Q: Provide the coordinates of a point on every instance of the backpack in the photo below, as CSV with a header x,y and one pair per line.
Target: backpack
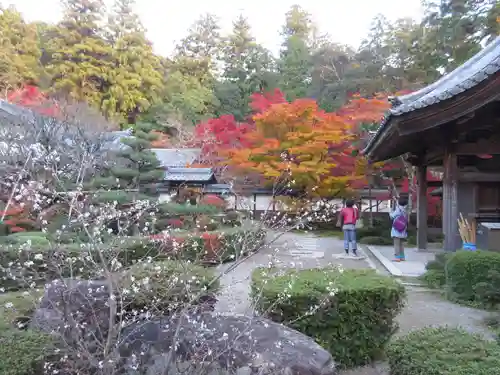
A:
x,y
400,223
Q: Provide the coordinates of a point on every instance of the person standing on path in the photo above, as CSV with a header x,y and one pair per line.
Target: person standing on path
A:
x,y
399,230
349,215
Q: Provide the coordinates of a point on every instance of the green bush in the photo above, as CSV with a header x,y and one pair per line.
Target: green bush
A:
x,y
372,240
374,231
434,279
187,209
21,352
19,238
473,271
21,265
356,310
170,285
443,351
221,246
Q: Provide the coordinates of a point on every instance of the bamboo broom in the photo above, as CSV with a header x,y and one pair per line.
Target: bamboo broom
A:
x,y
467,232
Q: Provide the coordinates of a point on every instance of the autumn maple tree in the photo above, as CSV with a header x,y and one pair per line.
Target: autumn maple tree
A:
x,y
302,143
32,98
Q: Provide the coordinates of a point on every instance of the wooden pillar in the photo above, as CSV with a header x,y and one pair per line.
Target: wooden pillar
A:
x,y
450,206
422,208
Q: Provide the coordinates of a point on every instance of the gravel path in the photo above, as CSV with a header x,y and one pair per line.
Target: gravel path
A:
x,y
424,308
288,252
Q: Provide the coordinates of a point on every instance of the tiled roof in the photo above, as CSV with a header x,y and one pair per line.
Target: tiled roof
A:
x,y
189,174
217,188
171,157
474,71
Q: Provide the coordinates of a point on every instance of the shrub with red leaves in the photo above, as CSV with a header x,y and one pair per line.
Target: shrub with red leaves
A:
x,y
212,245
213,200
31,97
175,223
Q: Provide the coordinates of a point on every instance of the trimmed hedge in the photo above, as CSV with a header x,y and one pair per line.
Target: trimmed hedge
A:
x,y
474,276
188,209
373,240
170,285
356,314
22,265
21,352
469,276
443,351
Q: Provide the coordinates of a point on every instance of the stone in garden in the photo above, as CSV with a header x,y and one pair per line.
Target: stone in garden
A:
x,y
75,309
221,345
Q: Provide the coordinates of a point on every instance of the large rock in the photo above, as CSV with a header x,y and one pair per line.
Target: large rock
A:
x,y
217,345
74,309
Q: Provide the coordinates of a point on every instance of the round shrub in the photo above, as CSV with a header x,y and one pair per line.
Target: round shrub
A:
x,y
374,240
35,238
166,286
467,270
21,352
443,351
213,200
434,279
350,313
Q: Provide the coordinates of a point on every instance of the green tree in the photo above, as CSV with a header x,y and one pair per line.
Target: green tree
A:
x,y
134,172
198,53
136,80
19,51
81,61
248,68
456,29
294,65
186,101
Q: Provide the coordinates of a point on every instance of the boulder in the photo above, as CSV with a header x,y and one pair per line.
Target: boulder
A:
x,y
75,309
216,345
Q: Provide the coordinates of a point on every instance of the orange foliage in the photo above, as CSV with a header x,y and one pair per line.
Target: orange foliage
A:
x,y
162,141
14,216
300,142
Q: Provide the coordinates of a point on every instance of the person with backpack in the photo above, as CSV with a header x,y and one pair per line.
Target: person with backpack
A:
x,y
349,215
399,230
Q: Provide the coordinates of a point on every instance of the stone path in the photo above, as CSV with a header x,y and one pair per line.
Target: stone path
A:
x,y
424,308
290,250
414,265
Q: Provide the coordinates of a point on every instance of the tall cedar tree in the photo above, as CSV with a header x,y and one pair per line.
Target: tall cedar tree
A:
x,y
248,68
295,58
136,80
81,63
19,51
136,170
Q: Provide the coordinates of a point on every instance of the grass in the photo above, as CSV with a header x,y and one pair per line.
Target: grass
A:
x,y
17,304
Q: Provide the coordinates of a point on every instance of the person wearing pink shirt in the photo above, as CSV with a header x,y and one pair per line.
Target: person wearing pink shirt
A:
x,y
349,215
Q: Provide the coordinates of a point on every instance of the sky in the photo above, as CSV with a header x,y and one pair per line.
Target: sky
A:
x,y
346,21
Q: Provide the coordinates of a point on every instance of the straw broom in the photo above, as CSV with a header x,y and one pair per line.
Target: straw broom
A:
x,y
467,232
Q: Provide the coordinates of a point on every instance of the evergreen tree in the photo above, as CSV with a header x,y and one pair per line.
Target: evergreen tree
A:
x,y
81,62
135,170
295,58
248,68
136,81
19,51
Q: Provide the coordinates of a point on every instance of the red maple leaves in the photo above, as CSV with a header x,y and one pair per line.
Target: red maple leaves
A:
x,y
31,97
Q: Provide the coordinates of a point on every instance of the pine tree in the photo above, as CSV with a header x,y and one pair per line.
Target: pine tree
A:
x,y
19,51
295,58
135,170
136,81
248,68
81,62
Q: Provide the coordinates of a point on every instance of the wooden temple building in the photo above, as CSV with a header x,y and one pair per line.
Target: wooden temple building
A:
x,y
452,125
